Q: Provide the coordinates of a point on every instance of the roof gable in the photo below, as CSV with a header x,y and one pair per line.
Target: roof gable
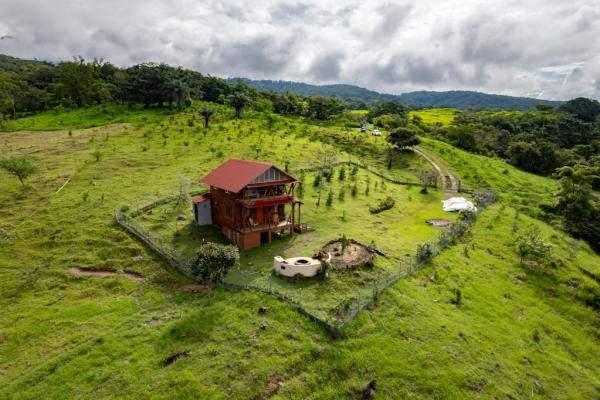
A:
x,y
233,175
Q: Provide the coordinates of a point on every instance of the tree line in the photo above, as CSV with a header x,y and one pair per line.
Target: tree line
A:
x,y
28,87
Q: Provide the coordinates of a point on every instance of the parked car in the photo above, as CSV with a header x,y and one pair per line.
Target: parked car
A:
x,y
376,132
363,128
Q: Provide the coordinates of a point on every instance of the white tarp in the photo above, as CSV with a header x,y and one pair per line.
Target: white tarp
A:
x,y
458,204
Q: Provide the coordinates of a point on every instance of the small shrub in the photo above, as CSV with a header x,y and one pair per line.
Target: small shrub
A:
x,y
530,246
344,242
22,167
317,181
342,174
342,194
85,196
354,191
383,205
300,190
97,155
458,297
213,261
329,200
424,252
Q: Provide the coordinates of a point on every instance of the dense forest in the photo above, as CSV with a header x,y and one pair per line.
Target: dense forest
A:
x,y
358,97
29,86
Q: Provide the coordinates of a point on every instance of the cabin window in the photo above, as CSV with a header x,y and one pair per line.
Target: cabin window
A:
x,y
228,211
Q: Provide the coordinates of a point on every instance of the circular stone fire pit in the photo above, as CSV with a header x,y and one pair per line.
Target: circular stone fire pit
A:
x,y
355,254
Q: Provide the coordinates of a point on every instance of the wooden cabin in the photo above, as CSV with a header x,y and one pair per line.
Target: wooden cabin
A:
x,y
248,201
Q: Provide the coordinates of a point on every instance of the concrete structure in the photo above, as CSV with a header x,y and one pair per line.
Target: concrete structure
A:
x,y
291,267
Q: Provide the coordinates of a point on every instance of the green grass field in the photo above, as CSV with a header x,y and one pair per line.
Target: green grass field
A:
x,y
85,118
442,116
519,333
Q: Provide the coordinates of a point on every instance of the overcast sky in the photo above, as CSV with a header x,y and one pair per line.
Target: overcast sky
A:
x,y
541,48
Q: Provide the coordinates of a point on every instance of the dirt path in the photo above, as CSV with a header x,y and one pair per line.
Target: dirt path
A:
x,y
105,274
450,183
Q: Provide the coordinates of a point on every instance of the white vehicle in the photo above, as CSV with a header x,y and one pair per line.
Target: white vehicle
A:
x,y
376,132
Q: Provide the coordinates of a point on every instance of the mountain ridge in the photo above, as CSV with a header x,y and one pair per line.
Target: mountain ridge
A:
x,y
463,99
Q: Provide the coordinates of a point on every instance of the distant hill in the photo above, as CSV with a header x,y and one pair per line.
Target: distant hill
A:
x,y
13,64
455,98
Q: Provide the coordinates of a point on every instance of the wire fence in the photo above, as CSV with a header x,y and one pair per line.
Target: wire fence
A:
x,y
439,184
335,319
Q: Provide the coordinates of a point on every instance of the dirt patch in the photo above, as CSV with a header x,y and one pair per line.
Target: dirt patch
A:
x,y
194,288
275,382
134,276
439,223
354,255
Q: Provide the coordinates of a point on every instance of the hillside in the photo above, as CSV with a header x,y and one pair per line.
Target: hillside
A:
x,y
519,331
13,64
462,99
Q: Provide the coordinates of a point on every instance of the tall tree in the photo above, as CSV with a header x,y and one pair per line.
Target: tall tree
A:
x,y
400,139
577,205
207,113
584,109
239,101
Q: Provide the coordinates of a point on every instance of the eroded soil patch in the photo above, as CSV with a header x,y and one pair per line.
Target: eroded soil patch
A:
x,y
439,223
134,276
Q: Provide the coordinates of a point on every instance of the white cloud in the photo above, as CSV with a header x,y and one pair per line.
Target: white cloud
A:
x,y
545,48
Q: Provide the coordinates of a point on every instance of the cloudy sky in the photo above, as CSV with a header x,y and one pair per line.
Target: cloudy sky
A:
x,y
541,48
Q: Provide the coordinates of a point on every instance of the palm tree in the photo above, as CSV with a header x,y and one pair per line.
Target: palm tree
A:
x,y
207,114
239,101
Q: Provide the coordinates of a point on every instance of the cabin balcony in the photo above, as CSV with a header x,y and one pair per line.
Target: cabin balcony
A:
x,y
273,227
265,201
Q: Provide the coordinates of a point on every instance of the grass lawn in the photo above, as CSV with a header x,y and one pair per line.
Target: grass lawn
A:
x,y
519,332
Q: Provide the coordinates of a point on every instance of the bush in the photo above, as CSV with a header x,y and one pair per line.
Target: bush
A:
x,y
317,181
22,167
532,247
329,200
424,252
383,205
214,260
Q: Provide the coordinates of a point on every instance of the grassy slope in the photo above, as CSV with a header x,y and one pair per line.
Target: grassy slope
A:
x,y
84,118
443,116
62,336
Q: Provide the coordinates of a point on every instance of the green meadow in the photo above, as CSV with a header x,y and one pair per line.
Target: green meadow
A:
x,y
518,332
441,116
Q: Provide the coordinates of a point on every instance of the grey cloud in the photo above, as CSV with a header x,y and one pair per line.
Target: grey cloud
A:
x,y
393,46
287,11
392,16
328,67
491,40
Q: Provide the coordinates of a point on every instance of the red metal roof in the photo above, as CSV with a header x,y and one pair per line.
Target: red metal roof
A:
x,y
201,198
233,175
